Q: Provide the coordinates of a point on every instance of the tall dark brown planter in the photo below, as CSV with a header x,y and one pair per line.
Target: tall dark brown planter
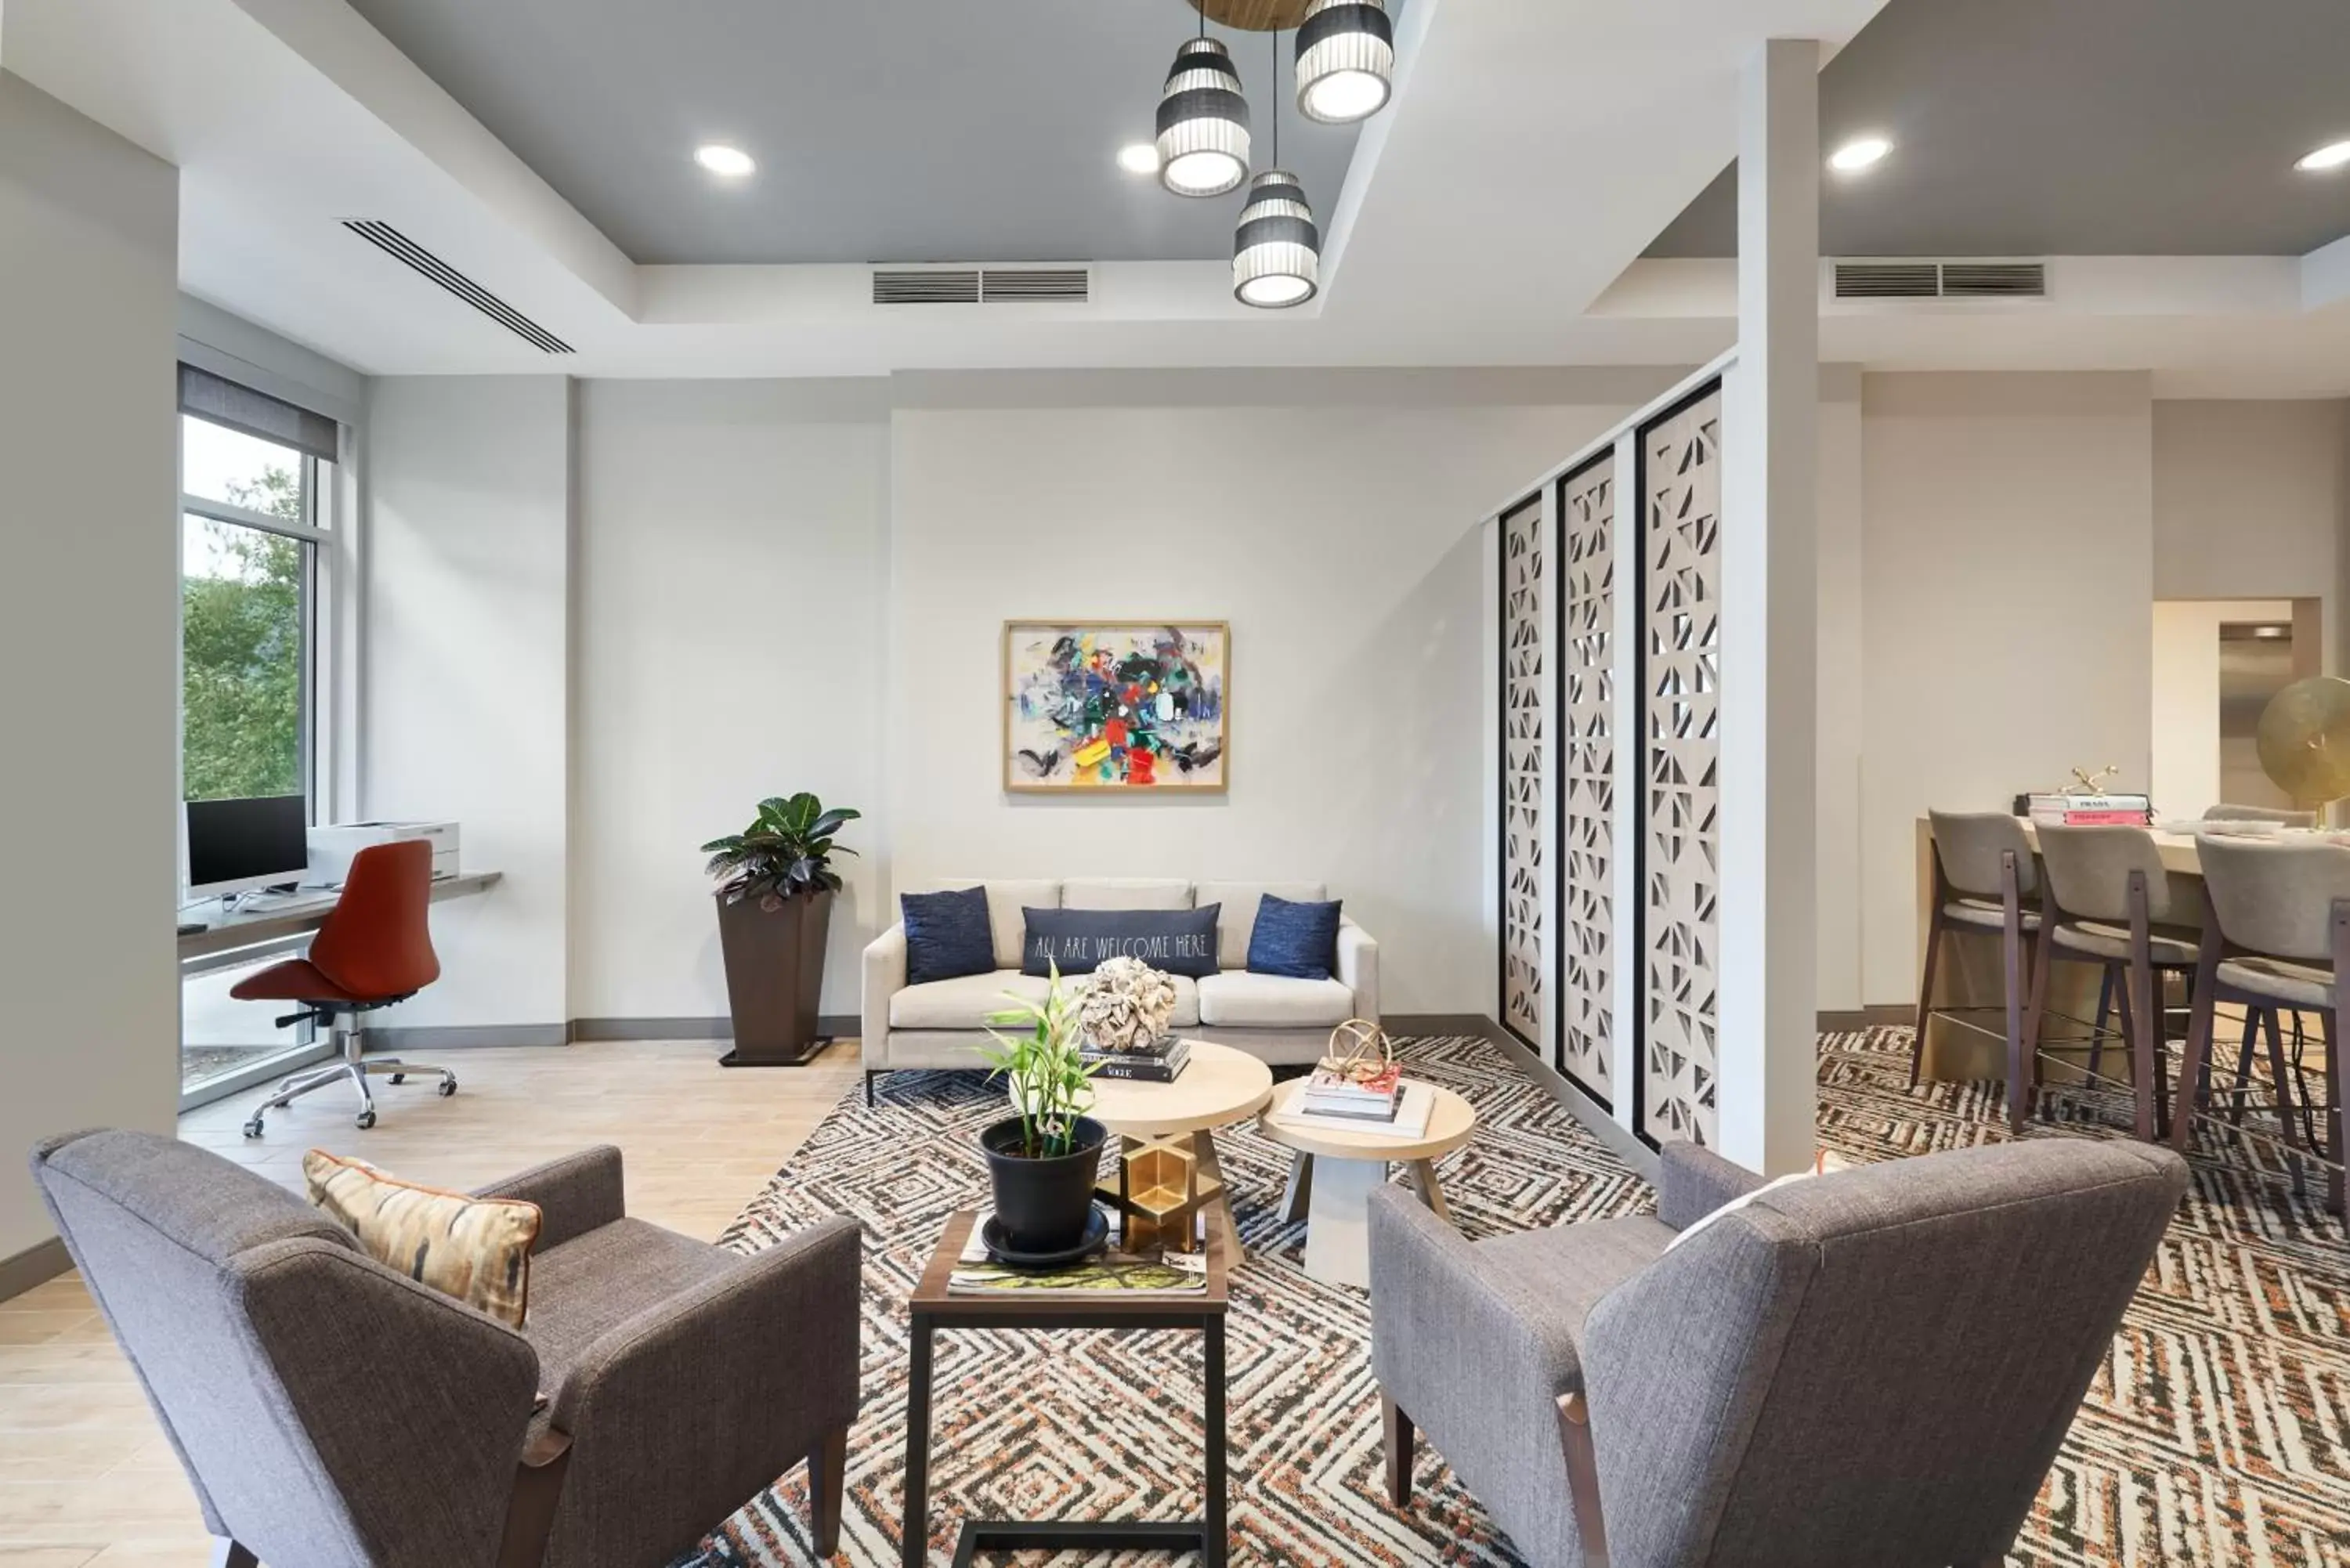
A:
x,y
774,976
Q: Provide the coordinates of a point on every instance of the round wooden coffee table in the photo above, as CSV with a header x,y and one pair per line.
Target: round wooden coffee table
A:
x,y
1334,1170
1167,1157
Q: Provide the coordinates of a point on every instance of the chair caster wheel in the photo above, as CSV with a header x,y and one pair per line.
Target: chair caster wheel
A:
x,y
253,1127
399,1077
448,1087
366,1119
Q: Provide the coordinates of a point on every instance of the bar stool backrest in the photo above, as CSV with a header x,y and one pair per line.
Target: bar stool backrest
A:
x,y
2225,813
1969,842
2276,899
2089,873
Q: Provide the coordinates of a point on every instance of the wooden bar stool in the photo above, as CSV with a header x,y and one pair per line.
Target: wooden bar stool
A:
x,y
1984,881
2109,901
2276,933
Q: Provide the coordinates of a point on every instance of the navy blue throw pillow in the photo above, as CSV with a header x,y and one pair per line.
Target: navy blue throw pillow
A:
x,y
1298,942
1172,941
946,935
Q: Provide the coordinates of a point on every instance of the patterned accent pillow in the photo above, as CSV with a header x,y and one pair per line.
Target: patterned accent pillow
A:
x,y
947,935
1298,942
475,1249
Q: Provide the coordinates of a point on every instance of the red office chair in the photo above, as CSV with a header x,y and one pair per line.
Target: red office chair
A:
x,y
374,949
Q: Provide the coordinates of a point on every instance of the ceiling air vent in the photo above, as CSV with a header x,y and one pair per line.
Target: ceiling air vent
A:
x,y
981,286
1994,280
411,255
1941,280
926,286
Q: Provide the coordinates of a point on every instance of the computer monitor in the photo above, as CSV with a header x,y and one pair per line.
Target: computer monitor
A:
x,y
232,845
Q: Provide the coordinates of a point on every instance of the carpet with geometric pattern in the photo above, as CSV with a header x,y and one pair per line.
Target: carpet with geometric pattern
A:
x,y
2216,1433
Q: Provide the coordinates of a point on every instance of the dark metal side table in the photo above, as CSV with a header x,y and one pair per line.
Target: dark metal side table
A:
x,y
934,1309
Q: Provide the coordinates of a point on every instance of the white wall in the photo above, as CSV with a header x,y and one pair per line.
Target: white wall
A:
x,y
730,583
88,631
2251,501
465,678
2007,572
1838,849
1341,543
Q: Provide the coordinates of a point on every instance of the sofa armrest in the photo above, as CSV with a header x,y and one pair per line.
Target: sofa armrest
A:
x,y
1693,1181
1445,1327
1358,968
885,977
577,1194
681,1412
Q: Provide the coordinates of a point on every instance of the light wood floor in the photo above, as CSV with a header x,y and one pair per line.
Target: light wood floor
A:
x,y
86,1479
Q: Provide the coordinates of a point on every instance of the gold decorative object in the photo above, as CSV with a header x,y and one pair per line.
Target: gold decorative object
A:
x,y
1128,1005
1359,1051
1158,1193
2095,782
2305,739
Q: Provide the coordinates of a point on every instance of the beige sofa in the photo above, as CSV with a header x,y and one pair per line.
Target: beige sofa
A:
x,y
941,1024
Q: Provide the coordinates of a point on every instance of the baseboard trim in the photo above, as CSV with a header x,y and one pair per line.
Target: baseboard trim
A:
x,y
36,1265
1621,1139
839,1025
1877,1017
465,1036
1470,1023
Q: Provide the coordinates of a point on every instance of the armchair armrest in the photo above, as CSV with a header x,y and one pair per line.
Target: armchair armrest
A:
x,y
885,977
577,1194
1693,1181
1358,968
726,1383
1447,1330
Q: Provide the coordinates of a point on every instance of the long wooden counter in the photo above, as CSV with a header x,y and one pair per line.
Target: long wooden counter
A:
x,y
1970,974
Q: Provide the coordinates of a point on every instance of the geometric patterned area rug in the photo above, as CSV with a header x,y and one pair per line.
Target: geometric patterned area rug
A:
x,y
2218,1433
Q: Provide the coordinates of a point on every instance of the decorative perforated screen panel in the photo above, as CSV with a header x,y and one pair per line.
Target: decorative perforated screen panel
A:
x,y
1525,703
1680,675
1586,802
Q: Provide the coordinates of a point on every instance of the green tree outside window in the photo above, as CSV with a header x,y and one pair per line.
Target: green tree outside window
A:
x,y
240,618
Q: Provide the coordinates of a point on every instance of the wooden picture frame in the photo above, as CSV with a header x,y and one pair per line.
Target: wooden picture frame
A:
x,y
1083,716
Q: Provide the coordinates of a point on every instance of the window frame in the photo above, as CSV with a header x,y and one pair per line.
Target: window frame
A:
x,y
317,480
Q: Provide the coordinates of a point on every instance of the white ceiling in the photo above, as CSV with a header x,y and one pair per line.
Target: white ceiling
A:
x,y
1494,215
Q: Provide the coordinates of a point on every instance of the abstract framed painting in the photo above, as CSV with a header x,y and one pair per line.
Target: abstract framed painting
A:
x,y
1116,705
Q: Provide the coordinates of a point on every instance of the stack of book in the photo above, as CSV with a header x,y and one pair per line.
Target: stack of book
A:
x,y
2073,810
1330,1093
1160,1062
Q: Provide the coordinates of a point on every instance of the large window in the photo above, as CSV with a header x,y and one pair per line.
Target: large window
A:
x,y
255,512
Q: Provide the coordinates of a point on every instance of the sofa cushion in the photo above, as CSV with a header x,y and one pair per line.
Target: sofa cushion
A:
x,y
963,1003
1005,901
1125,893
1240,900
946,935
1237,999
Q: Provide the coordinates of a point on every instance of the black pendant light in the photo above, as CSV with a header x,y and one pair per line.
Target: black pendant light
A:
x,y
1276,248
1345,60
1203,121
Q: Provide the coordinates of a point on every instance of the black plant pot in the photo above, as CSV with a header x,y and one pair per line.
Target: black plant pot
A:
x,y
1043,1204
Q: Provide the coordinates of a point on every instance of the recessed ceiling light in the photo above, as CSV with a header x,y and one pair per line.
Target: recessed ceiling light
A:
x,y
720,159
1858,154
1139,158
2332,155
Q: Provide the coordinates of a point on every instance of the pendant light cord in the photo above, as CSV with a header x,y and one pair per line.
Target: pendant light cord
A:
x,y
1277,97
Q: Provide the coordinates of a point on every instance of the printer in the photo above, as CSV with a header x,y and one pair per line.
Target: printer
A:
x,y
331,847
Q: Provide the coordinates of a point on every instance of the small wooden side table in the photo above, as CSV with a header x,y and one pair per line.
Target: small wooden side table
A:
x,y
1332,1171
1167,1156
935,1309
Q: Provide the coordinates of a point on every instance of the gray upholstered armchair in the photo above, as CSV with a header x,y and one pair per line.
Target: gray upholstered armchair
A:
x,y
1872,1369
332,1413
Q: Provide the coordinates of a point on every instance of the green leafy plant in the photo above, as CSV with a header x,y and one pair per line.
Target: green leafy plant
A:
x,y
786,852
1051,1086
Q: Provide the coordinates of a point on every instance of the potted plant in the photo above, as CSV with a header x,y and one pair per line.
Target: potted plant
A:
x,y
774,904
1043,1159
